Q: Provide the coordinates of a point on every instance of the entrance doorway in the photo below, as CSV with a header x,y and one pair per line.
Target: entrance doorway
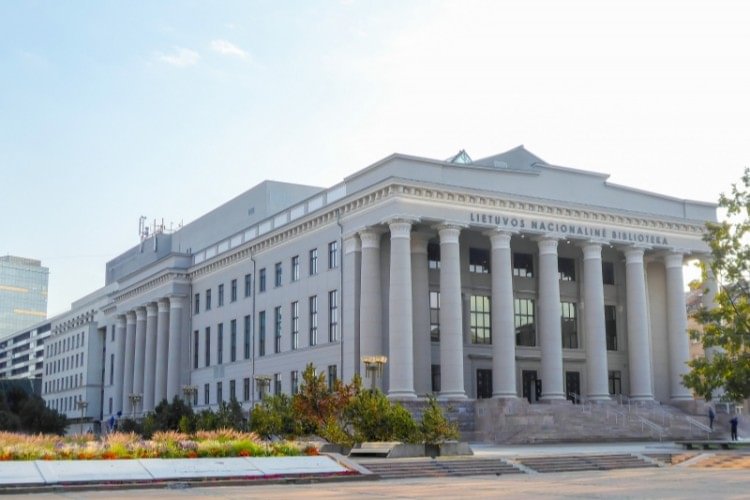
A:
x,y
532,388
573,386
484,384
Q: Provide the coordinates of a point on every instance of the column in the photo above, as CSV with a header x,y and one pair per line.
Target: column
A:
x,y
597,376
400,334
350,307
119,374
420,299
639,351
127,386
370,305
677,334
710,289
140,353
162,350
150,359
550,326
451,315
503,328
176,305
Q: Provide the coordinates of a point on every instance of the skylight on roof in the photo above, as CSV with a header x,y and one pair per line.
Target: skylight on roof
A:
x,y
462,158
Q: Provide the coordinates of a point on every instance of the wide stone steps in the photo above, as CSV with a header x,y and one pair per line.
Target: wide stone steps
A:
x,y
572,463
393,469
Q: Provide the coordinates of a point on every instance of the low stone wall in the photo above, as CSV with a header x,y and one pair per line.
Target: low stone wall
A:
x,y
461,411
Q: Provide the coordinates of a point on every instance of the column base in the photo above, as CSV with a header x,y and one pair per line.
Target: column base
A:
x,y
395,395
505,396
444,396
554,400
598,398
644,398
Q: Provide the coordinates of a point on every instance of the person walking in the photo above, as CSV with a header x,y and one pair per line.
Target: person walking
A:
x,y
734,423
711,417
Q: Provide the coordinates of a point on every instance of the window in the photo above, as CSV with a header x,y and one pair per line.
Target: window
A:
x,y
295,325
435,375
331,377
523,265
220,344
233,341
610,327
232,390
295,268
111,338
208,299
566,269
233,291
262,333
524,321
111,369
262,280
219,393
295,381
247,337
433,256
206,394
248,284
479,260
313,261
569,325
608,273
197,304
314,320
277,274
615,382
110,407
435,316
208,346
196,343
276,384
221,295
479,313
333,255
246,389
333,316
277,329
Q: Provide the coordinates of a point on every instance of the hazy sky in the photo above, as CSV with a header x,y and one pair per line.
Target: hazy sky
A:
x,y
112,110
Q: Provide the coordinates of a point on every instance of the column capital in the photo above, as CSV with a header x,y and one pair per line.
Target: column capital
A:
x,y
500,238
634,254
591,250
163,305
120,320
419,241
352,244
370,237
140,313
547,245
130,317
400,228
674,259
176,301
151,309
449,232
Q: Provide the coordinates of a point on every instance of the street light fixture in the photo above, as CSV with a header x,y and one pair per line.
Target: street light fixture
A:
x,y
82,405
263,382
374,367
134,400
189,391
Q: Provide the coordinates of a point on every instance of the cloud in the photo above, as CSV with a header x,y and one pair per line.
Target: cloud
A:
x,y
180,57
226,48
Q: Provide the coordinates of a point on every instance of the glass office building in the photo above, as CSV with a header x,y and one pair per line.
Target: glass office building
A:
x,y
23,293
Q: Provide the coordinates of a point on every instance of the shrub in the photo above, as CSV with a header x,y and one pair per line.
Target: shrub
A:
x,y
435,428
374,418
274,417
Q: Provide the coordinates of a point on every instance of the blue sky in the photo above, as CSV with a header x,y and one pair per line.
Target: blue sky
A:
x,y
112,110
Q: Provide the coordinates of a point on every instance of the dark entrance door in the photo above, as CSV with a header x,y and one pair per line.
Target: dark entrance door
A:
x,y
573,385
484,384
528,380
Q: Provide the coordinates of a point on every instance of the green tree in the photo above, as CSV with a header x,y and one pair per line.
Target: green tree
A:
x,y
726,326
435,428
274,417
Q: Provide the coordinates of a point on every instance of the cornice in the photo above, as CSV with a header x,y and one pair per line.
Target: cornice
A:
x,y
76,321
152,283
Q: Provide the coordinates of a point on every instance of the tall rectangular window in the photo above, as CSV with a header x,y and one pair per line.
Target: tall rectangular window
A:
x,y
314,320
246,389
219,392
333,255
262,333
525,322
220,294
277,329
333,316
615,382
247,337
277,274
608,273
313,261
206,394
295,268
435,316
523,265
295,325
112,336
208,299
207,341
331,377
233,291
276,384
111,369
569,325
232,390
610,327
262,280
566,269
295,381
248,285
233,340
433,256
197,304
479,315
479,260
220,344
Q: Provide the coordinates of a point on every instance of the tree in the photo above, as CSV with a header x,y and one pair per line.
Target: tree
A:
x,y
726,327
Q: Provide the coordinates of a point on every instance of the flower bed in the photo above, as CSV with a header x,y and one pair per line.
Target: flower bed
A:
x,y
220,443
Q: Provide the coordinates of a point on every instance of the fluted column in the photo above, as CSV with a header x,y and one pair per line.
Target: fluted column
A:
x,y
127,385
119,374
679,347
140,352
149,371
162,350
593,317
350,307
371,304
176,305
503,328
639,351
451,315
400,334
550,326
420,298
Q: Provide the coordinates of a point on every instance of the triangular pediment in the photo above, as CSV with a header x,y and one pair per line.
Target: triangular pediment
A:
x,y
518,158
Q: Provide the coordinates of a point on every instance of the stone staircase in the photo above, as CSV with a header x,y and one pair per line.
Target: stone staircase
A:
x,y
403,469
574,463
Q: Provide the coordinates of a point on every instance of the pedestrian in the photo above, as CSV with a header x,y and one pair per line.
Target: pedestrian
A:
x,y
711,417
111,423
734,423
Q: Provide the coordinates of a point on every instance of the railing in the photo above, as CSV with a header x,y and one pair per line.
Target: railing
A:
x,y
654,427
579,400
700,425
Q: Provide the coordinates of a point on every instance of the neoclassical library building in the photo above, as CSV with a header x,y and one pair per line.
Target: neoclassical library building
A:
x,y
505,277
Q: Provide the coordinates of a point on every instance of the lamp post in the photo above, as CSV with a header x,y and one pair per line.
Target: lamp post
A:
x,y
134,400
374,367
82,405
189,391
263,381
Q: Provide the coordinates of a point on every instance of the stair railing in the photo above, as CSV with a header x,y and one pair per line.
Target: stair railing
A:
x,y
699,425
651,425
